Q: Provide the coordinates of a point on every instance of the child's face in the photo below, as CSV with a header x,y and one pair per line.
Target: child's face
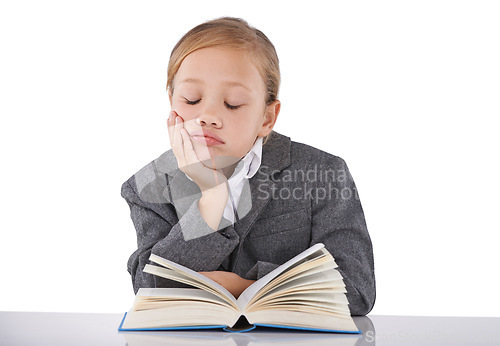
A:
x,y
221,91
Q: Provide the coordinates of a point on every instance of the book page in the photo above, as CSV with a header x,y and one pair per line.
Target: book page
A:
x,y
315,265
303,319
335,303
180,277
330,280
195,276
304,275
247,294
151,296
183,314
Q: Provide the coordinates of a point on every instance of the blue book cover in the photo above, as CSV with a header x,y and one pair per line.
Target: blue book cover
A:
x,y
238,328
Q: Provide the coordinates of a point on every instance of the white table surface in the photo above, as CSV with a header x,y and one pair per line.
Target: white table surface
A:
x,y
45,328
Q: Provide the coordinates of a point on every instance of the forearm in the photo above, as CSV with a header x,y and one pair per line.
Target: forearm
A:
x,y
192,243
212,204
234,283
188,241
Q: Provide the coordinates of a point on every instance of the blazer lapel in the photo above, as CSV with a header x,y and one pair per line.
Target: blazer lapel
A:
x,y
275,157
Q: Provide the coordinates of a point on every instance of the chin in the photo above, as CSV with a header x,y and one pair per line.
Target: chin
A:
x,y
219,162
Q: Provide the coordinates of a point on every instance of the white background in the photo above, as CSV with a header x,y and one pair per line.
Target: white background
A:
x,y
406,92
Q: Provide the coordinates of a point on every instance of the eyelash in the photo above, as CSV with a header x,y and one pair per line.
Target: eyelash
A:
x,y
227,104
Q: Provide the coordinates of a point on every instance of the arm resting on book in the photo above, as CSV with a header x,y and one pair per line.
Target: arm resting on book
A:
x,y
188,241
339,223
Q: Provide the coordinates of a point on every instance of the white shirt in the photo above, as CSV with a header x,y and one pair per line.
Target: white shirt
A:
x,y
245,169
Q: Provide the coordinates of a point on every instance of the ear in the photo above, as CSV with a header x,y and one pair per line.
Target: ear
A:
x,y
270,116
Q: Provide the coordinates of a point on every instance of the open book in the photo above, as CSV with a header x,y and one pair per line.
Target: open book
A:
x,y
307,292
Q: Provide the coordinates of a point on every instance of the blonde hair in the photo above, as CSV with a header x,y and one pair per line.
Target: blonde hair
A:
x,y
233,33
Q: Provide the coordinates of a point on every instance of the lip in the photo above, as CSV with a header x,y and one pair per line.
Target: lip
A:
x,y
207,137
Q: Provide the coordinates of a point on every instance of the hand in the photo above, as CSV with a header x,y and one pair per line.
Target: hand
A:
x,y
189,163
230,281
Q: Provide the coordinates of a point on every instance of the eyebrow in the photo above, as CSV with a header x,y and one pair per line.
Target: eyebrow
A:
x,y
229,83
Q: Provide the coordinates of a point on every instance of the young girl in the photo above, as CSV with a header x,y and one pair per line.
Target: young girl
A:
x,y
234,199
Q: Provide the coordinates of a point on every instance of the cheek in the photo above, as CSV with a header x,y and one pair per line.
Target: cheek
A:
x,y
248,124
187,112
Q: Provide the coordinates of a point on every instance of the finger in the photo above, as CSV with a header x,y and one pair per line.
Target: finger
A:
x,y
170,126
178,142
171,131
193,163
190,154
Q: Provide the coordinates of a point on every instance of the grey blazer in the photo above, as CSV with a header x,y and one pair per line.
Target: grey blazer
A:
x,y
300,196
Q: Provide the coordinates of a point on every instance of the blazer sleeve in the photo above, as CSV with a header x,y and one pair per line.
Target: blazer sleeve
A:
x,y
188,241
338,222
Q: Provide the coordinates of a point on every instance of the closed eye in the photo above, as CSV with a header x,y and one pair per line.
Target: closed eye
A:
x,y
231,106
189,102
192,102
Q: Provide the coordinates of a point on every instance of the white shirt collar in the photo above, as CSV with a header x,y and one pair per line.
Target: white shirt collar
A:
x,y
250,162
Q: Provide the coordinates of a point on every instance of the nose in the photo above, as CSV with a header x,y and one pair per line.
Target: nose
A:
x,y
209,117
